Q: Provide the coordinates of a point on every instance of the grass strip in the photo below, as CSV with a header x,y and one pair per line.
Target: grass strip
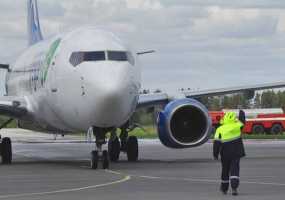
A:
x,y
151,133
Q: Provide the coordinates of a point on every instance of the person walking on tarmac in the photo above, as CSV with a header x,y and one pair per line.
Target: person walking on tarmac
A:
x,y
228,143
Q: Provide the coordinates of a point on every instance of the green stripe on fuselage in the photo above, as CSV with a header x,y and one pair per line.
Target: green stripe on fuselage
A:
x,y
49,57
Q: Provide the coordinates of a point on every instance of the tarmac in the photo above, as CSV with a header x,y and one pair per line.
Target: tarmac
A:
x,y
44,168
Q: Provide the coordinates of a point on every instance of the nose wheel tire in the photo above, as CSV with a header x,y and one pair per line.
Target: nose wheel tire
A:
x,y
6,151
96,158
132,149
114,148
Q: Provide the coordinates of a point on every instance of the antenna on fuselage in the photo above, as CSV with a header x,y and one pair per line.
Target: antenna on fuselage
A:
x,y
145,52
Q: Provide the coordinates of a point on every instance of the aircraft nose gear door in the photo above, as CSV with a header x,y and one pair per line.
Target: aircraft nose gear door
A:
x,y
53,86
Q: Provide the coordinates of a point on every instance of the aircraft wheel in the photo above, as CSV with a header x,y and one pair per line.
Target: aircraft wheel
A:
x,y
105,159
132,149
6,151
94,159
114,148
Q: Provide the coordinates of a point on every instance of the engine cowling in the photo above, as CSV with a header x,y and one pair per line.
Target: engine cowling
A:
x,y
184,123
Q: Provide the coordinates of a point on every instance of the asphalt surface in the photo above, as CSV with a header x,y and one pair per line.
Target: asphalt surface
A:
x,y
60,170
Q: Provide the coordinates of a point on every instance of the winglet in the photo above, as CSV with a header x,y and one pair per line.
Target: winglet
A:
x,y
34,28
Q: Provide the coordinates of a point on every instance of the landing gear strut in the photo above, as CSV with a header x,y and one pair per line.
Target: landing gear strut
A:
x,y
99,154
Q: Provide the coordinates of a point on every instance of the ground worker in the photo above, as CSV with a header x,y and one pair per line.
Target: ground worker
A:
x,y
228,143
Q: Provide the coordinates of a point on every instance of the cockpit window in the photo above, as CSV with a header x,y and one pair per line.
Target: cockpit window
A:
x,y
79,57
92,56
117,55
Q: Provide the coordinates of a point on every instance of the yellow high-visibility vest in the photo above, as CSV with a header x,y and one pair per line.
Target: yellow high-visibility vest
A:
x,y
229,131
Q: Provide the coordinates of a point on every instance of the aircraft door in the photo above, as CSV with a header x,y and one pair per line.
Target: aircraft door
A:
x,y
53,81
53,85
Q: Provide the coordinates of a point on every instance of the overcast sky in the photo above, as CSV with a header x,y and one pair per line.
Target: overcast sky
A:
x,y
199,43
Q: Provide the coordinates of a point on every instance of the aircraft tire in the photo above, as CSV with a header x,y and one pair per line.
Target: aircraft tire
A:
x,y
114,148
6,151
94,159
105,159
132,149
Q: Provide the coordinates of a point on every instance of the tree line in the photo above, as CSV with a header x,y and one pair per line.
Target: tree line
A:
x,y
266,99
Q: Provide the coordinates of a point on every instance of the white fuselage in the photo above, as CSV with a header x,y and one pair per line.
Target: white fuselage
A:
x,y
77,80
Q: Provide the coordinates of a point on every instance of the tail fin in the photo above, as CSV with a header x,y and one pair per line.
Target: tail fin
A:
x,y
34,28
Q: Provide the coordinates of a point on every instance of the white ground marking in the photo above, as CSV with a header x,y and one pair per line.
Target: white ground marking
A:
x,y
125,179
201,180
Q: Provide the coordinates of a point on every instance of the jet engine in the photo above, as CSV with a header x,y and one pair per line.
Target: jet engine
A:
x,y
184,123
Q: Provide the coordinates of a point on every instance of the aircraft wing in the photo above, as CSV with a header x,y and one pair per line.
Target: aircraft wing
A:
x,y
148,100
15,107
232,90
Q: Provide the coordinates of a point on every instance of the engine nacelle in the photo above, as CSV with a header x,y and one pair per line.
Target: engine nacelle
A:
x,y
184,123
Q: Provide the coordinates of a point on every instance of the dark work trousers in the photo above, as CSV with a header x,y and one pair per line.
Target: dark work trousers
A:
x,y
230,173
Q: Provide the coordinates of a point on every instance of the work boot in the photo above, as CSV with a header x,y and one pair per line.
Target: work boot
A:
x,y
234,192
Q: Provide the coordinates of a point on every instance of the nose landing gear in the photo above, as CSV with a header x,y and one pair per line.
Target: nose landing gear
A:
x,y
98,155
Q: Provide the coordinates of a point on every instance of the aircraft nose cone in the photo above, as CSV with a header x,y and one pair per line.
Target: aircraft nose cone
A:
x,y
111,97
113,104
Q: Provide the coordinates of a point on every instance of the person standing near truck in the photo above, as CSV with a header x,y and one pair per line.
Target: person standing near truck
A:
x,y
229,145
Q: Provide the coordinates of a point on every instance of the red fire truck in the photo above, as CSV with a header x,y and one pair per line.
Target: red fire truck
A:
x,y
262,123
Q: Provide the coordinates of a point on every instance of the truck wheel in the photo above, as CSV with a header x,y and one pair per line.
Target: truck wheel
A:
x,y
276,129
258,129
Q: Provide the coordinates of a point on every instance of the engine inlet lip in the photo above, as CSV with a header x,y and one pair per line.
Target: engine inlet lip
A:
x,y
195,143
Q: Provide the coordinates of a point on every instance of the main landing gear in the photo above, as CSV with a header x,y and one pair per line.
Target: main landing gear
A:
x,y
6,150
116,145
6,146
127,144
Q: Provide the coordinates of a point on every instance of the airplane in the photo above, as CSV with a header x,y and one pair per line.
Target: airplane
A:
x,y
88,77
